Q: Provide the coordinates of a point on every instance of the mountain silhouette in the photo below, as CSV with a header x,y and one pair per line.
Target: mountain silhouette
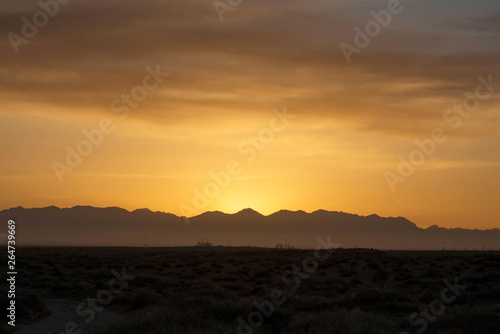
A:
x,y
248,213
113,226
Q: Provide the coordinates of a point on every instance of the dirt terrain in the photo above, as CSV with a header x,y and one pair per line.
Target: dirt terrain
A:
x,y
62,312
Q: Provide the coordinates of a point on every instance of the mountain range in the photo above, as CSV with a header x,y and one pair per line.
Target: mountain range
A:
x,y
112,226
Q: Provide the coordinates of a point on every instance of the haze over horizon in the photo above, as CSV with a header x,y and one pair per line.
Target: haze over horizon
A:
x,y
260,110
90,226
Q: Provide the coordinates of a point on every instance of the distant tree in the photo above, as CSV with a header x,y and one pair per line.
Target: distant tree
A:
x,y
204,244
286,245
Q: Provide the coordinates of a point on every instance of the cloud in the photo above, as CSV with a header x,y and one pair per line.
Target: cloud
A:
x,y
264,54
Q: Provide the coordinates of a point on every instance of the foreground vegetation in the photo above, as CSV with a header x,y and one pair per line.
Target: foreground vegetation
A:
x,y
207,289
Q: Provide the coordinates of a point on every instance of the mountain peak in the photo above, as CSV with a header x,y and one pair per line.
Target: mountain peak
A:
x,y
143,210
289,214
212,213
434,227
248,212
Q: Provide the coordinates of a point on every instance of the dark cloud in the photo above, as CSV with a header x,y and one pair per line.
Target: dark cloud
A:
x,y
264,54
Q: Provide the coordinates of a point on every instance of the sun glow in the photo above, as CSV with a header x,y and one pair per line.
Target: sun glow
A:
x,y
237,200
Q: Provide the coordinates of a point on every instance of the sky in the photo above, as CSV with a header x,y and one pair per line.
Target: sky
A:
x,y
187,106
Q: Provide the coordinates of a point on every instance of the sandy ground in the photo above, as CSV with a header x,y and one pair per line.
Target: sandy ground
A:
x,y
64,311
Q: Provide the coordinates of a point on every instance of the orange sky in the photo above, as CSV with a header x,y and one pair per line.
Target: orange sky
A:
x,y
227,82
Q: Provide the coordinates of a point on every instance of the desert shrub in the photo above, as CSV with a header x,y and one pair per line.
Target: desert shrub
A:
x,y
57,272
432,273
310,303
48,262
138,298
182,316
342,322
467,320
262,274
381,275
